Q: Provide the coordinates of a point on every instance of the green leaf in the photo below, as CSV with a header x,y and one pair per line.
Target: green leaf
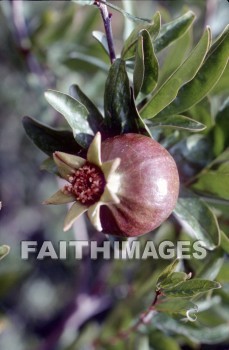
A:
x,y
224,244
191,288
95,118
186,72
175,56
153,28
4,250
173,279
222,84
221,129
214,182
167,272
102,39
78,61
173,30
206,335
146,63
75,113
177,122
121,115
174,306
206,78
197,218
48,139
202,113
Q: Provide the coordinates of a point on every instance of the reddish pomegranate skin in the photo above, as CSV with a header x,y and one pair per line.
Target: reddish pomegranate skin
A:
x,y
149,185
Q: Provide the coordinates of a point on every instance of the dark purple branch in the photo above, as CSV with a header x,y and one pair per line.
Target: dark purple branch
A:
x,y
106,16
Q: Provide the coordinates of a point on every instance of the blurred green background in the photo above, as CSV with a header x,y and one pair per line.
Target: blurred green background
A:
x,y
46,304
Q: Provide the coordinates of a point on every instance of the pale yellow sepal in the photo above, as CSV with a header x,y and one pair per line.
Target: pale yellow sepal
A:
x,y
109,197
94,215
94,151
64,170
75,211
70,160
60,198
110,167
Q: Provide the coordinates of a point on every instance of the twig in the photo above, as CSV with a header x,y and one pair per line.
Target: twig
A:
x,y
106,16
144,318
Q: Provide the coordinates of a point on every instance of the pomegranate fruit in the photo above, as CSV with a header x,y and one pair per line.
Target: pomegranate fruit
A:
x,y
128,184
148,185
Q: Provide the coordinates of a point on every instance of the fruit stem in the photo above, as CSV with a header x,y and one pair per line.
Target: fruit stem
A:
x,y
106,16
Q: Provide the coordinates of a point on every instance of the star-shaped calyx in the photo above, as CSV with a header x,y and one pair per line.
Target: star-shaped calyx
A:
x,y
91,183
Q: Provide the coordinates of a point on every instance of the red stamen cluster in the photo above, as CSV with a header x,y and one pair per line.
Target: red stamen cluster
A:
x,y
87,184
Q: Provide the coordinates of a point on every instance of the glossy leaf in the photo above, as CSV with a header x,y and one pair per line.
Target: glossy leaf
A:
x,y
186,72
173,60
191,288
95,118
102,39
4,250
173,30
197,218
48,139
75,113
153,28
121,115
178,122
206,335
146,62
206,78
139,69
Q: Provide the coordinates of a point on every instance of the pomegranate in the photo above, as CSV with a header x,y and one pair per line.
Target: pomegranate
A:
x,y
128,185
148,185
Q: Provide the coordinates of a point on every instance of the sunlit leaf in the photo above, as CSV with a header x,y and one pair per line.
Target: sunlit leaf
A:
x,y
75,113
208,75
153,28
177,122
102,39
146,63
172,59
95,118
186,72
173,30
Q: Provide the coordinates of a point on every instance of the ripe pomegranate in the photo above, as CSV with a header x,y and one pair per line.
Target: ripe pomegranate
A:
x,y
147,181
128,185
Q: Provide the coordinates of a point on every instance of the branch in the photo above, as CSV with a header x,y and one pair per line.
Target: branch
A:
x,y
144,318
106,16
